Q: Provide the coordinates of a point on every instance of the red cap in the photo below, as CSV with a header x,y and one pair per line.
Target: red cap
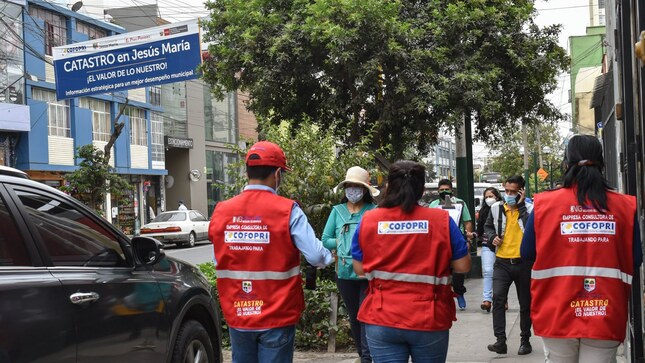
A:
x,y
265,153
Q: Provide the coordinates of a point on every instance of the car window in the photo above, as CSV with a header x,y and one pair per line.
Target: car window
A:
x,y
71,237
13,251
170,217
198,217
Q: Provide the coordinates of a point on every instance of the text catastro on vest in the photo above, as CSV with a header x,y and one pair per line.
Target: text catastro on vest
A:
x,y
406,258
258,265
580,283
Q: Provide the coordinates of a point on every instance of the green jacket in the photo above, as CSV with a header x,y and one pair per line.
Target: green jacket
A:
x,y
338,234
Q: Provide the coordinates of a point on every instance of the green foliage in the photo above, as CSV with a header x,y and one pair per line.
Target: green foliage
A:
x,y
316,169
94,179
404,70
510,159
312,332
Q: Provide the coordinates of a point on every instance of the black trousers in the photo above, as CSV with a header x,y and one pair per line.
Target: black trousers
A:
x,y
353,293
504,274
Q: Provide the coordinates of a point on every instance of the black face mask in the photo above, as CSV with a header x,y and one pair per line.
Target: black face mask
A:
x,y
443,193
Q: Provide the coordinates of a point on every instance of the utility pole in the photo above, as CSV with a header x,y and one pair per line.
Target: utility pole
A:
x,y
465,183
525,143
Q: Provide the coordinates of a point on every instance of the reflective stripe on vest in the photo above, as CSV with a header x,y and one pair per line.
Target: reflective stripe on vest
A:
x,y
258,275
398,276
613,273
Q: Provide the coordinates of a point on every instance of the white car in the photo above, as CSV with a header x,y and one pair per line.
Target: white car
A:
x,y
181,227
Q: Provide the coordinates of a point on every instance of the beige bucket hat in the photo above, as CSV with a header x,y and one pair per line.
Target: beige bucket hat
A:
x,y
358,175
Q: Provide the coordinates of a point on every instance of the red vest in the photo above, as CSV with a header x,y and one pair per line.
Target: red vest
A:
x,y
258,265
406,258
580,283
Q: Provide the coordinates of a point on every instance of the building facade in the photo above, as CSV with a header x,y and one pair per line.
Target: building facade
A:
x,y
586,53
58,127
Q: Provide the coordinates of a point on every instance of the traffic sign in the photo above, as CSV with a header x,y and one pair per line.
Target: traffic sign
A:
x,y
542,174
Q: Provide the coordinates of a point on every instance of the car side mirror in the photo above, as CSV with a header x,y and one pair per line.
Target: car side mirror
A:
x,y
147,251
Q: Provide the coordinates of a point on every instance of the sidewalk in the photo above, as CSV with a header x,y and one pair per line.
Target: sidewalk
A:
x,y
469,336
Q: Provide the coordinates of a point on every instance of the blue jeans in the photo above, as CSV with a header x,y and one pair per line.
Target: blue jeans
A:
x,y
397,345
273,345
488,261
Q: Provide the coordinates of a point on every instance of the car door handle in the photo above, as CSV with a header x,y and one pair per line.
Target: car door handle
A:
x,y
83,297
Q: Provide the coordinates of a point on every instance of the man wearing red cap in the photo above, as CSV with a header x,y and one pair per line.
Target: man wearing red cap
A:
x,y
257,239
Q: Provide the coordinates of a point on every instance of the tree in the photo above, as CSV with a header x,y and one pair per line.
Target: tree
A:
x,y
94,179
510,160
405,69
316,166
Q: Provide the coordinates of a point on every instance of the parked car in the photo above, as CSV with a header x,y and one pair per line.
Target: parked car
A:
x,y
180,227
73,288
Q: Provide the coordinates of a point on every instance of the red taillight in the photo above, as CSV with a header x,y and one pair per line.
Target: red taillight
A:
x,y
160,230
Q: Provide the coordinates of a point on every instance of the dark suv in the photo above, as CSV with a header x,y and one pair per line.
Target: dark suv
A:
x,y
75,289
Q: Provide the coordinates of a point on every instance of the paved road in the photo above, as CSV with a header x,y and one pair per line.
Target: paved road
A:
x,y
202,252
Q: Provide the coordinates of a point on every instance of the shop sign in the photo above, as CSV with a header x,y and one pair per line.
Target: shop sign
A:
x,y
179,142
164,54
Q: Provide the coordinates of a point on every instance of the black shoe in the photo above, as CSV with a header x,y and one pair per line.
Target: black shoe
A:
x,y
525,348
499,347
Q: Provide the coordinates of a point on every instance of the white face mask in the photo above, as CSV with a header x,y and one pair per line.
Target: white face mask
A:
x,y
490,201
354,194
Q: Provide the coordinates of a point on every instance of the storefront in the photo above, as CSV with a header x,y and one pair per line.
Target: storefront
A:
x,y
138,205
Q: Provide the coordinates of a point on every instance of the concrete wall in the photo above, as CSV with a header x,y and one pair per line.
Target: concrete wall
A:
x,y
197,159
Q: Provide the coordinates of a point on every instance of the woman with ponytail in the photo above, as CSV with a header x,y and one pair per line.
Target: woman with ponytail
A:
x,y
407,253
586,250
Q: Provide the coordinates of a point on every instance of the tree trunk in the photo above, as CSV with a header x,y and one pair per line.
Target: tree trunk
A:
x,y
118,127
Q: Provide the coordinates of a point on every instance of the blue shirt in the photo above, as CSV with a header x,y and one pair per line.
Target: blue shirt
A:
x,y
457,242
302,234
528,249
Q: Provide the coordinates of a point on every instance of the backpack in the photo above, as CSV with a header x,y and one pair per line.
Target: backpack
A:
x,y
344,265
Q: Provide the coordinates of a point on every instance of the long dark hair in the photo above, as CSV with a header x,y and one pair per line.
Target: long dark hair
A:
x,y
485,209
584,161
405,182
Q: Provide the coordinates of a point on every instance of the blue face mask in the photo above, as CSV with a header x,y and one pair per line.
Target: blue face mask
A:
x,y
510,199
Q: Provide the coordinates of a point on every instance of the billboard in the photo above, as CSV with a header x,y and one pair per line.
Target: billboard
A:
x,y
163,54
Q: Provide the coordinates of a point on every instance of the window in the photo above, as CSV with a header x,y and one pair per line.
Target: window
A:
x,y
54,30
197,217
154,93
138,131
11,54
91,31
156,137
219,117
601,4
70,237
57,112
101,120
12,247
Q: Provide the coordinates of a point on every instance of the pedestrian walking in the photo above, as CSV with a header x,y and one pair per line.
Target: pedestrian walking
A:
x,y
407,252
461,215
257,239
504,227
337,236
586,250
490,196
